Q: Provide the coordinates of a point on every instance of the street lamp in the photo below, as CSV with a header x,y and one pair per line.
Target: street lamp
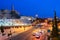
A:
x,y
24,26
36,15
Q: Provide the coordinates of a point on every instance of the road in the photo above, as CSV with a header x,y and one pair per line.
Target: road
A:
x,y
27,35
23,36
42,36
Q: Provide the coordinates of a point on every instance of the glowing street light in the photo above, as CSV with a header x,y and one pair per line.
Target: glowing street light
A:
x,y
36,15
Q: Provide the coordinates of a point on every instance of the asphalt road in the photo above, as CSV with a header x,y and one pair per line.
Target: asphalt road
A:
x,y
23,36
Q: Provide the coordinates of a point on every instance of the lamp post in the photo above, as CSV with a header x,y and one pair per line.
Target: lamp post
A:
x,y
36,15
24,26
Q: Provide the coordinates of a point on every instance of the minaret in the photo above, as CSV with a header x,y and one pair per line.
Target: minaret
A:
x,y
54,27
12,8
12,11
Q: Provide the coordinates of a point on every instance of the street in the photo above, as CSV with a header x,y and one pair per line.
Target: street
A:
x,y
27,35
23,36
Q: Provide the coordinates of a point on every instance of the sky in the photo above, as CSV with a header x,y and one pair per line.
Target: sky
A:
x,y
44,8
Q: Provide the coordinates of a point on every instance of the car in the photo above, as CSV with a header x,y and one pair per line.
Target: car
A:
x,y
39,31
33,34
37,35
42,31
